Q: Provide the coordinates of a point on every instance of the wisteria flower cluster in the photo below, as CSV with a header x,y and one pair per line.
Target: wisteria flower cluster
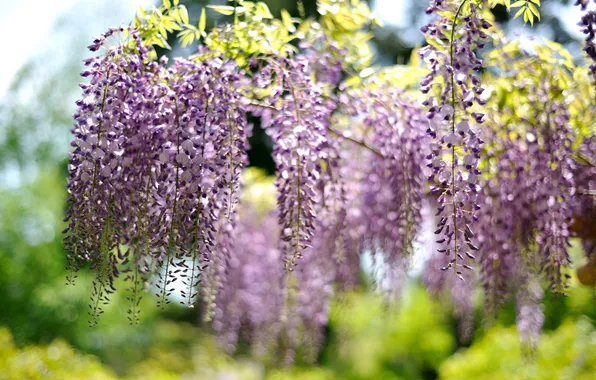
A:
x,y
298,126
386,205
158,154
588,27
364,162
454,88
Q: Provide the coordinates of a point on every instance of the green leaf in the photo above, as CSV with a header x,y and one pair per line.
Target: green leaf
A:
x,y
203,21
519,3
528,16
225,10
186,37
287,21
167,4
352,81
176,2
247,4
170,23
183,14
366,72
534,10
163,31
263,11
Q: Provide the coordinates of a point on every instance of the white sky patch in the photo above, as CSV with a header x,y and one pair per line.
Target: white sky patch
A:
x,y
27,27
391,12
571,16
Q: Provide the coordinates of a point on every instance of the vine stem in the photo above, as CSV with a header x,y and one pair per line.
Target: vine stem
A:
x,y
174,211
355,141
200,236
335,132
101,108
292,263
453,155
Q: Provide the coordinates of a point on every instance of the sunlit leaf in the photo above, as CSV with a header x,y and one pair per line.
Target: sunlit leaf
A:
x,y
183,14
203,21
225,10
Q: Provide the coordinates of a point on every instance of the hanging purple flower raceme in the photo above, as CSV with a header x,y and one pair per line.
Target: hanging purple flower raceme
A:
x,y
322,53
299,129
393,178
142,128
438,283
527,197
198,178
588,27
311,197
266,306
156,166
505,226
553,168
96,207
248,307
453,83
316,273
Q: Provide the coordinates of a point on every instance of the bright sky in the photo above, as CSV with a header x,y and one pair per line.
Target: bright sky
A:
x,y
29,18
391,11
394,12
26,27
34,20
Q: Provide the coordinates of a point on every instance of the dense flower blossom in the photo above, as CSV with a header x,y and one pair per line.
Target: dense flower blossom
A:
x,y
322,53
528,198
393,180
502,234
156,163
96,208
137,171
249,306
361,167
265,305
588,27
299,129
437,282
454,88
201,159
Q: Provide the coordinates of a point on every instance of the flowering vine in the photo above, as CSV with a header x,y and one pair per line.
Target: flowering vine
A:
x,y
453,66
160,152
299,129
588,27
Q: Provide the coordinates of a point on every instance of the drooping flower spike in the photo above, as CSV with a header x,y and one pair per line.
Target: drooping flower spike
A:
x,y
298,126
391,177
155,179
453,86
588,27
97,208
147,170
200,156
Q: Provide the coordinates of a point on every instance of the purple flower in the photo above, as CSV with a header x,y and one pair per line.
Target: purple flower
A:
x,y
453,84
299,129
